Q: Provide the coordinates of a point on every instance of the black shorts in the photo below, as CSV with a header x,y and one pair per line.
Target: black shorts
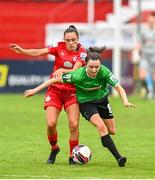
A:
x,y
101,107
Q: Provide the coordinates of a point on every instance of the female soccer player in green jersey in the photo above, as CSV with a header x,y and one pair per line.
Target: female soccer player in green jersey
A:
x,y
92,93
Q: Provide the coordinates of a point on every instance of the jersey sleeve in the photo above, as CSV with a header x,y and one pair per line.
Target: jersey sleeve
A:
x,y
113,81
71,77
110,77
82,57
67,78
53,49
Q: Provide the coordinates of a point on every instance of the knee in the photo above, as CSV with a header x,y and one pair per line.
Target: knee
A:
x,y
102,129
73,126
51,125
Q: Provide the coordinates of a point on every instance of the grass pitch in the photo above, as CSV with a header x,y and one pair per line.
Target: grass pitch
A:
x,y
24,147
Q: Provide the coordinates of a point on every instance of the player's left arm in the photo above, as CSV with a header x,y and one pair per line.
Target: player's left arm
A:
x,y
31,92
123,95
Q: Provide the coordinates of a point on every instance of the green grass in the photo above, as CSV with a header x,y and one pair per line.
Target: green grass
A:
x,y
24,148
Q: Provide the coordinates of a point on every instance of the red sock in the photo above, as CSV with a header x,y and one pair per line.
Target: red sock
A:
x,y
72,144
53,141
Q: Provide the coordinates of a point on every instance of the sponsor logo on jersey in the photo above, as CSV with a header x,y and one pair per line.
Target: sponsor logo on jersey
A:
x,y
68,64
113,78
93,88
48,98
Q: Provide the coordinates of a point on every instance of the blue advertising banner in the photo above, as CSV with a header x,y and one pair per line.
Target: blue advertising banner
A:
x,y
16,76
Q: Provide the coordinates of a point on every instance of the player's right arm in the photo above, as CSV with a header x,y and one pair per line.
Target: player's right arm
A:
x,y
29,52
123,95
31,92
59,72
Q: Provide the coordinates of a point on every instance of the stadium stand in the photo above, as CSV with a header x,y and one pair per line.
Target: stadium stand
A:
x,y
24,22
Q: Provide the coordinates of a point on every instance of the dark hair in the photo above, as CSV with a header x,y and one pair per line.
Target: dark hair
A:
x,y
94,53
71,28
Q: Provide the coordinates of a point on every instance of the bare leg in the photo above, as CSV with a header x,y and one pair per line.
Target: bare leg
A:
x,y
73,121
52,114
110,124
106,139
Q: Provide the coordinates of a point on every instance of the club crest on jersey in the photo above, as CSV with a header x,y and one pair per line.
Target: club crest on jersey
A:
x,y
62,53
48,98
74,58
68,64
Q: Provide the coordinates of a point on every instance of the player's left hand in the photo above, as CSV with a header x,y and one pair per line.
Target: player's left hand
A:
x,y
29,92
130,105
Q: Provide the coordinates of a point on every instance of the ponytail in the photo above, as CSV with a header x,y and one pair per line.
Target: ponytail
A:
x,y
94,53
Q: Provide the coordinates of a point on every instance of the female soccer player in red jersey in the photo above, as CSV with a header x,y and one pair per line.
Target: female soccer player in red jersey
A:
x,y
69,55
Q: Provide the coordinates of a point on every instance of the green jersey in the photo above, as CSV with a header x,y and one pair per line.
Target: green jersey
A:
x,y
87,88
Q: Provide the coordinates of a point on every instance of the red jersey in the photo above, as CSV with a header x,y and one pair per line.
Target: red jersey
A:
x,y
66,59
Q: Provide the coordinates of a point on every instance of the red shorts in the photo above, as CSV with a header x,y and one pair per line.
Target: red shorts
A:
x,y
57,98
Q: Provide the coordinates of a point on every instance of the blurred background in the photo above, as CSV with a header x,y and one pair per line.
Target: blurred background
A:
x,y
39,23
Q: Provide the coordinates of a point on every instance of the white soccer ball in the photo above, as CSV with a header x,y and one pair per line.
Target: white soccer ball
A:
x,y
81,154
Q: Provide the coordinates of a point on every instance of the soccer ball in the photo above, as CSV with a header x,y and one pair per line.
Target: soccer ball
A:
x,y
81,154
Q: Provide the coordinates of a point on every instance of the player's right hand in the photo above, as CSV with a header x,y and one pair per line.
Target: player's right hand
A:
x,y
58,73
129,105
29,92
15,48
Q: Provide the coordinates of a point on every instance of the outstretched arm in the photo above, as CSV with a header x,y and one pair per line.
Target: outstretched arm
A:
x,y
31,92
123,96
30,52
